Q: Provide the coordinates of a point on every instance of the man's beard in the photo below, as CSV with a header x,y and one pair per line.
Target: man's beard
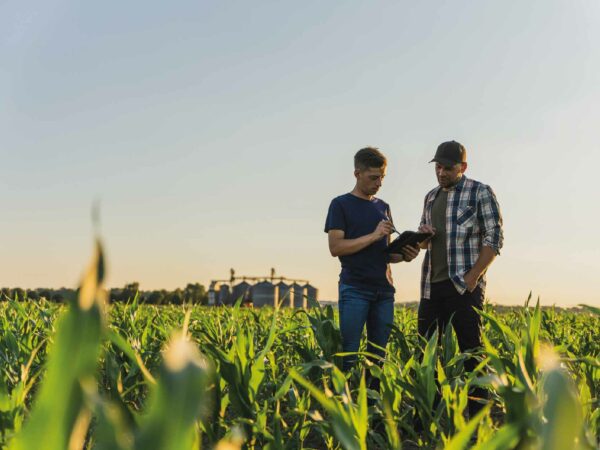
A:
x,y
449,184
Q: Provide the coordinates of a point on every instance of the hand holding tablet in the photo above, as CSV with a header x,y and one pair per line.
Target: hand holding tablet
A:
x,y
412,238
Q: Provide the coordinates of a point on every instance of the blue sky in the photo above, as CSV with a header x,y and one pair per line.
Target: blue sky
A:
x,y
216,133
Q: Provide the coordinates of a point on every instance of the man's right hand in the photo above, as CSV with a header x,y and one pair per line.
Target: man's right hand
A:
x,y
426,229
340,246
384,228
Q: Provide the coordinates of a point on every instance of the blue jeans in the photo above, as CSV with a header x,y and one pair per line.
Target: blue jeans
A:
x,y
359,306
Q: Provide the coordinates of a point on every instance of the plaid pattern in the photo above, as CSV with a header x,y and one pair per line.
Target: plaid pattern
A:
x,y
473,219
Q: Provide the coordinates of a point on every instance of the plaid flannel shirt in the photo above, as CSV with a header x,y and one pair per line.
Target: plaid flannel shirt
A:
x,y
473,220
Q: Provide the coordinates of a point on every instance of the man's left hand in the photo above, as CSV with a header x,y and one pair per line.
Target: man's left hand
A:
x,y
471,280
410,252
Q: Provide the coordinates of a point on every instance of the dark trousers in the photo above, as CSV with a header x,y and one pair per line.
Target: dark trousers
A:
x,y
445,303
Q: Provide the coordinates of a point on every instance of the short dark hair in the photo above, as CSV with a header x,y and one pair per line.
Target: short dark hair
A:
x,y
369,157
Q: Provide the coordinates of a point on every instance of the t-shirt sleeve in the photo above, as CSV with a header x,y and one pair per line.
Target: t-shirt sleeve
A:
x,y
335,217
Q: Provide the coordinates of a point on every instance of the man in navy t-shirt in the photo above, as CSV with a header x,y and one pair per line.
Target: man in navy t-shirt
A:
x,y
359,227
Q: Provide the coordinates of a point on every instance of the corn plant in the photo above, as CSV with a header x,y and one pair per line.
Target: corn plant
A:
x,y
88,375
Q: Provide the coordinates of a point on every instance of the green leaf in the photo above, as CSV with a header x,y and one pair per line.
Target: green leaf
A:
x,y
562,411
506,437
59,415
461,439
178,399
342,424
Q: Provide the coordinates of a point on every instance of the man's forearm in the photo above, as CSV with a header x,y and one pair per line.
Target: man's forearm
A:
x,y
486,256
345,247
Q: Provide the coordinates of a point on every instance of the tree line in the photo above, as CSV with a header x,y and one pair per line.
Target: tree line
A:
x,y
193,293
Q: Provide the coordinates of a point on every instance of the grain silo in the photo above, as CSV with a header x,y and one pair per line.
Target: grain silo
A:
x,y
298,300
243,289
285,294
264,294
311,292
212,296
224,295
288,292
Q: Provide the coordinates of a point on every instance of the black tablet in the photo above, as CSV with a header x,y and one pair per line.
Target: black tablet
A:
x,y
413,238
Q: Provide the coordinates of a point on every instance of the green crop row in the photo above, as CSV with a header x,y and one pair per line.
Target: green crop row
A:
x,y
133,376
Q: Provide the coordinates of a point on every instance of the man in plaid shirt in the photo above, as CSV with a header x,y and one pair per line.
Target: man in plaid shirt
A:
x,y
464,217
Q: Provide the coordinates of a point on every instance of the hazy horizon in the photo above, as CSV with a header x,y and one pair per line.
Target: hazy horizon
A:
x,y
216,134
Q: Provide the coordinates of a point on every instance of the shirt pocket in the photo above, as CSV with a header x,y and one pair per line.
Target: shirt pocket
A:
x,y
466,217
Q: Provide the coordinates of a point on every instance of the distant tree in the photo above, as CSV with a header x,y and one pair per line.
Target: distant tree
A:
x,y
114,295
155,297
195,293
19,294
68,295
175,297
46,294
129,291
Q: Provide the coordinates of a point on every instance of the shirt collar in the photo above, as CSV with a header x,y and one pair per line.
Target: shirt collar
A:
x,y
460,185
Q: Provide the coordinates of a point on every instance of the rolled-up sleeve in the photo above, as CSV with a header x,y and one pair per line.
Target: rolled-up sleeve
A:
x,y
490,219
423,221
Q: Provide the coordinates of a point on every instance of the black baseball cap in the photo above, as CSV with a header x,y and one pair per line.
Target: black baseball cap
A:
x,y
450,153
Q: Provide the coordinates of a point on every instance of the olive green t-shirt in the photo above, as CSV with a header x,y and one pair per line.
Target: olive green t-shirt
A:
x,y
439,255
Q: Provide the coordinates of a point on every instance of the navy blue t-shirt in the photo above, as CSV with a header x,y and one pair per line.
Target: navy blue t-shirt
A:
x,y
368,268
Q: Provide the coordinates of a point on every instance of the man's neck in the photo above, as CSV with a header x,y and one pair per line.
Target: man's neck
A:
x,y
357,193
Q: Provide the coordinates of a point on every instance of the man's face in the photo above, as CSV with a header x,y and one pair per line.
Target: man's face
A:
x,y
369,180
448,176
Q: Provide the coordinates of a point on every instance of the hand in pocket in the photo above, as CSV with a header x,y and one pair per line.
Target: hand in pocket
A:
x,y
471,281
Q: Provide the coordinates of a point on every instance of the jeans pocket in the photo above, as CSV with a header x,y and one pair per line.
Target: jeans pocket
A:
x,y
474,297
460,277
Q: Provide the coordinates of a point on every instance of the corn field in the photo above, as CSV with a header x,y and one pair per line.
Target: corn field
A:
x,y
133,376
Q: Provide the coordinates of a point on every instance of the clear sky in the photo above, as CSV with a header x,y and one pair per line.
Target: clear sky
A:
x,y
216,133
